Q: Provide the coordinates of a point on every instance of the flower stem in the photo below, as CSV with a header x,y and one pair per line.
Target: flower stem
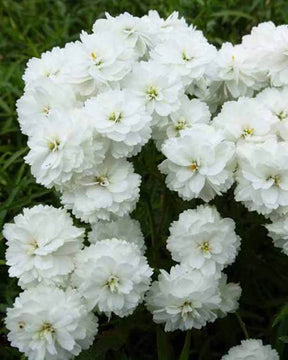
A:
x,y
242,325
186,348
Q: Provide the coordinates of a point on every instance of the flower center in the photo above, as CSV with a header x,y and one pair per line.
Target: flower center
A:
x,y
281,115
181,124
46,328
97,61
205,247
116,116
33,245
194,166
152,93
247,132
275,178
21,325
102,180
112,283
53,145
186,307
45,110
185,57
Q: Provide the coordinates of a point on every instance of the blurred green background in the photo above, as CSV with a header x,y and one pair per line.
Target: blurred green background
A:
x,y
30,27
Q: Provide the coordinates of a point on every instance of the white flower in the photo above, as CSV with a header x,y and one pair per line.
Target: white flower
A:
x,y
38,101
230,294
189,113
164,28
251,350
120,116
199,164
262,176
269,44
235,72
122,228
41,245
185,55
47,323
203,240
98,60
158,90
133,29
183,299
275,101
278,231
63,146
111,188
112,276
245,120
50,65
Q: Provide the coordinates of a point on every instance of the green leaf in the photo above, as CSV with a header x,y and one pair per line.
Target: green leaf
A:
x,y
284,339
283,313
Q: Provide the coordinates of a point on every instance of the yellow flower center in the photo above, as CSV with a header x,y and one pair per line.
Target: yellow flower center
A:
x,y
181,124
115,116
205,247
112,283
275,178
193,166
247,132
152,93
97,61
45,110
46,328
53,145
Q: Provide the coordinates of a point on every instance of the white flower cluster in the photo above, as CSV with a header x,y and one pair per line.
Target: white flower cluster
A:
x,y
251,350
89,107
196,291
45,252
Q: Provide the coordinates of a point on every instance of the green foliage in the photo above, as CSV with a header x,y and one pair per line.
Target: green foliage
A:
x,y
29,27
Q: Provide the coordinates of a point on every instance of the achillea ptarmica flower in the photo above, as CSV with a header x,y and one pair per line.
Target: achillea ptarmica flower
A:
x,y
235,72
278,231
251,350
183,299
190,113
42,243
262,176
136,31
186,55
230,294
99,59
50,65
268,43
39,101
199,164
203,240
113,276
245,120
47,323
121,118
62,147
275,100
112,188
159,92
123,228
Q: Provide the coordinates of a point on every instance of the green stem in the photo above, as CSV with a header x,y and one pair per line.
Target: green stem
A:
x,y
186,348
151,222
242,325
